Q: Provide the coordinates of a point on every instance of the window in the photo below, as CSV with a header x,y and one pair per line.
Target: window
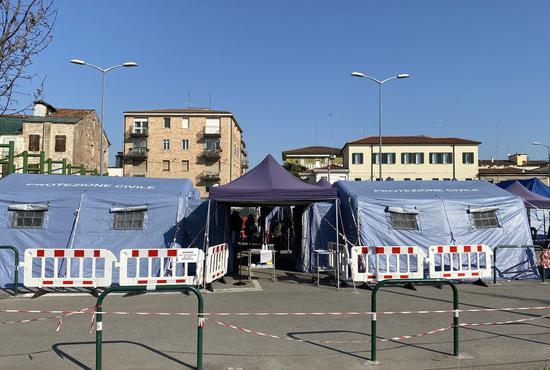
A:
x,y
185,166
441,158
166,165
34,143
357,179
166,144
212,126
403,219
446,179
357,158
468,158
412,158
484,218
407,179
185,144
418,179
212,144
435,179
387,158
166,122
60,143
140,125
28,216
128,218
185,122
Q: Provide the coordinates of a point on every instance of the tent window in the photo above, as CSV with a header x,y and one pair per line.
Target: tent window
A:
x,y
27,219
403,220
485,219
128,219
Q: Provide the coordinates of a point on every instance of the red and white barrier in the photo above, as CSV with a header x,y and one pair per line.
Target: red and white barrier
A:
x,y
387,262
164,266
460,261
68,268
217,258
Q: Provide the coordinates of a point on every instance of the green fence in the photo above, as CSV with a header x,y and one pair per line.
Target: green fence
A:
x,y
535,247
128,289
415,282
16,266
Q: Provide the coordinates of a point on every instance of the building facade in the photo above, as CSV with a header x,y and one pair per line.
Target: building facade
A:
x,y
412,158
314,156
71,135
203,145
516,167
332,174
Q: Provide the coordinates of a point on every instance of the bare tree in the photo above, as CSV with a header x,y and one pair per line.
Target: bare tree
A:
x,y
26,30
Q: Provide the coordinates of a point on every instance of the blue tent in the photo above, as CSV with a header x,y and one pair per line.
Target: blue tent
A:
x,y
444,215
534,184
79,212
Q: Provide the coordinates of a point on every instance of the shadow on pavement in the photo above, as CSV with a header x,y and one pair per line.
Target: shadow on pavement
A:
x,y
57,349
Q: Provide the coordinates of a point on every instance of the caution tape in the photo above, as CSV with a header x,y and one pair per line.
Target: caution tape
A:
x,y
59,318
344,313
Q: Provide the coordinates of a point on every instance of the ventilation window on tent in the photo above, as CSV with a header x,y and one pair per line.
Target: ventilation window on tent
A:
x,y
129,218
484,218
403,219
28,216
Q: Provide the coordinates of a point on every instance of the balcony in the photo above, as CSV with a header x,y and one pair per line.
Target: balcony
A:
x,y
143,132
210,176
211,131
244,163
211,153
138,153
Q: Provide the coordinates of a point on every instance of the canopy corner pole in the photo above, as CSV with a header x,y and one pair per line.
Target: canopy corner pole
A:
x,y
206,242
337,247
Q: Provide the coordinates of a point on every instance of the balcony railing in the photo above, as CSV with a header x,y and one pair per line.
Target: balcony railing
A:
x,y
210,175
137,152
140,132
244,163
211,131
211,153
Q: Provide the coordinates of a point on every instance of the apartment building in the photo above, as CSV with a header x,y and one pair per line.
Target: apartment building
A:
x,y
66,134
412,158
518,166
314,156
203,145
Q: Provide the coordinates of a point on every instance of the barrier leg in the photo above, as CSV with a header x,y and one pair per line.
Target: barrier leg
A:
x,y
99,316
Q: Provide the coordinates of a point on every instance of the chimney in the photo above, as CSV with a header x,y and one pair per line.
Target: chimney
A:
x,y
42,109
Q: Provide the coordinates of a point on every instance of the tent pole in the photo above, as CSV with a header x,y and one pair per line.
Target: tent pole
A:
x,y
206,242
337,247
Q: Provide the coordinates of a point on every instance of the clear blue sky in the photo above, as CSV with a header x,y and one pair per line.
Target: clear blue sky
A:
x,y
480,68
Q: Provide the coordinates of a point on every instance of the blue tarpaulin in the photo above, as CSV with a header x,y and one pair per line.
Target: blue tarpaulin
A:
x,y
443,214
93,199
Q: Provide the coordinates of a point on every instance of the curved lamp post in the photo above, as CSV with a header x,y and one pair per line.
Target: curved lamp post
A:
x,y
380,83
103,71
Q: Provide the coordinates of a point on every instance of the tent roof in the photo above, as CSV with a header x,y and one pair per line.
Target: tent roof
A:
x,y
536,186
532,200
323,183
270,183
99,184
452,190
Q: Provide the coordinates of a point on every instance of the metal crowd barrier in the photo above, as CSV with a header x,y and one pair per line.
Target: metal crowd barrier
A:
x,y
17,264
535,247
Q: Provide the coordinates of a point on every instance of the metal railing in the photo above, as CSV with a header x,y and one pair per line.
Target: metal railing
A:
x,y
16,266
436,282
137,152
211,153
209,175
535,247
128,289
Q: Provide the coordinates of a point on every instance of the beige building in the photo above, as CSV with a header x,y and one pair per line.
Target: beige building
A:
x,y
516,167
72,135
314,156
203,145
412,158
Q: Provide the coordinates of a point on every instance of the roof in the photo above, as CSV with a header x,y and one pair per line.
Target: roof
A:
x,y
11,125
269,183
179,110
417,139
532,200
513,171
68,112
309,150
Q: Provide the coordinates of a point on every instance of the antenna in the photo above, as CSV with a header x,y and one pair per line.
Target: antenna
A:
x,y
210,95
315,129
496,140
188,99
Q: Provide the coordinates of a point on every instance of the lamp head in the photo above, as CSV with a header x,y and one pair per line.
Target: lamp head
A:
x,y
357,74
403,75
129,64
78,61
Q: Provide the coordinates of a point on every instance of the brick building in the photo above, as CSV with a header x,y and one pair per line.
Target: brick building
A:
x,y
200,144
61,133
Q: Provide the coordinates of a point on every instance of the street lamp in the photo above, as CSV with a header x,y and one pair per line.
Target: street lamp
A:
x,y
103,73
380,83
548,149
